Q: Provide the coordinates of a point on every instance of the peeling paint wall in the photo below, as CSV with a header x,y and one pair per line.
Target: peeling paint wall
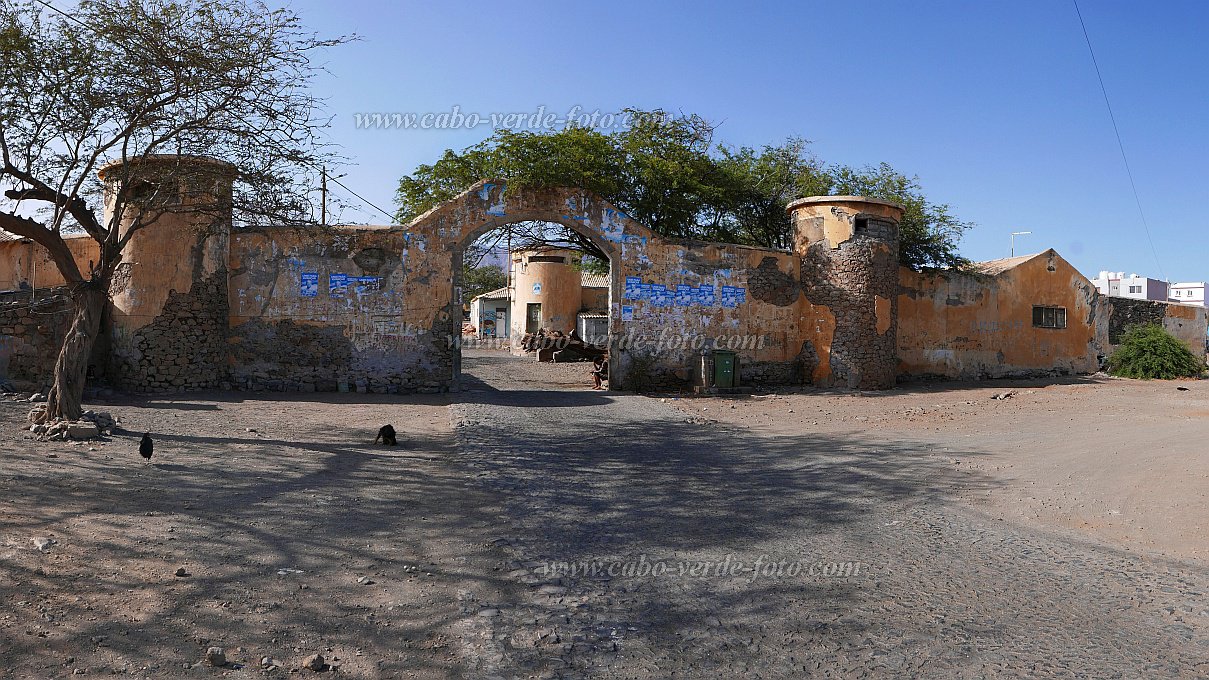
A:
x,y
670,300
970,326
849,249
167,320
326,309
965,326
23,261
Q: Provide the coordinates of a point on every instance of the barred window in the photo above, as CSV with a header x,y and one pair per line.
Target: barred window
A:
x,y
1049,317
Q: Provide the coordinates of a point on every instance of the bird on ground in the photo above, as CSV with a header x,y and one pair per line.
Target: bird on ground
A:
x,y
146,446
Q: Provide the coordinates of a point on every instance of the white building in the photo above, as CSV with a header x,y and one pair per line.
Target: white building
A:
x,y
1132,286
1192,293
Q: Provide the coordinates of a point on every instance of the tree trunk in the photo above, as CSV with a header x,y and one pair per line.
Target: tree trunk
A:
x,y
71,367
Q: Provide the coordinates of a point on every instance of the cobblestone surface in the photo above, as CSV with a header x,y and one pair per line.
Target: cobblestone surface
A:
x,y
942,591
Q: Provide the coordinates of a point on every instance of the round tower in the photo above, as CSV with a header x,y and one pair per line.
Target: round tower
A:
x,y
548,291
170,309
849,251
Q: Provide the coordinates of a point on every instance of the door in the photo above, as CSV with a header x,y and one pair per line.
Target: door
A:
x,y
501,322
533,317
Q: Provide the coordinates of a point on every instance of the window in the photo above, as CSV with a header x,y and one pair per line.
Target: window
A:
x,y
862,224
1135,289
1049,317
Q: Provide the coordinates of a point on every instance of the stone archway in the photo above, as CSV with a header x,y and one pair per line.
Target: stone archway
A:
x,y
437,240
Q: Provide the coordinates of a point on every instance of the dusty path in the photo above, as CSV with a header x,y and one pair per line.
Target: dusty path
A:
x,y
299,537
451,556
943,590
1123,462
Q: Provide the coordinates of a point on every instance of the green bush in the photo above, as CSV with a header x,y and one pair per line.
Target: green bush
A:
x,y
1150,352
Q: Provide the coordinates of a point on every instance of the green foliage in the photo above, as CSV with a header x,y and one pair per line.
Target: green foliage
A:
x,y
929,233
1149,352
590,264
481,279
667,173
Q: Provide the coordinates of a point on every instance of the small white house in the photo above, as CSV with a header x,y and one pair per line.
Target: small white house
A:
x,y
1191,293
489,314
1132,286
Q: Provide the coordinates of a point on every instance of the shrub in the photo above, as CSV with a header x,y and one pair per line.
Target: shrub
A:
x,y
1150,352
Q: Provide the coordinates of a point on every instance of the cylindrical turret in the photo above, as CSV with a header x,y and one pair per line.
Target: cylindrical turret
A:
x,y
170,307
548,291
849,251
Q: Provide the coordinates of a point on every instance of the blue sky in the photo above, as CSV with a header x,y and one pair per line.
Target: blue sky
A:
x,y
995,106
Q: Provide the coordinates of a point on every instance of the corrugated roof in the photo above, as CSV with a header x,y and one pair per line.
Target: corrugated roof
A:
x,y
5,236
594,280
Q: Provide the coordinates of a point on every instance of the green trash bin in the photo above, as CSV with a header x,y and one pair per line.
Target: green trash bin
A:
x,y
725,365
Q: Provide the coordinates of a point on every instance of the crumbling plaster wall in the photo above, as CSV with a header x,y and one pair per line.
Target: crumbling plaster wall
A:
x,y
849,262
23,261
1185,322
329,308
670,299
973,326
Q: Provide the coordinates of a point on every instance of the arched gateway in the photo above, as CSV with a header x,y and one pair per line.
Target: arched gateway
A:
x,y
378,308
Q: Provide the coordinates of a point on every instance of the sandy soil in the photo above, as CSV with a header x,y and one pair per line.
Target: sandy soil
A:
x,y
1121,461
298,536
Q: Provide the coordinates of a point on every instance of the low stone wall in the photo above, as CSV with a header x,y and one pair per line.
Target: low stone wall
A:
x,y
1186,322
184,348
31,332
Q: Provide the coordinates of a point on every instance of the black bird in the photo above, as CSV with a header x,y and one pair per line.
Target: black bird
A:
x,y
146,446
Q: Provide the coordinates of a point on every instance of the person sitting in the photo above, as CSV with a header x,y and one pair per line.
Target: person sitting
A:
x,y
600,372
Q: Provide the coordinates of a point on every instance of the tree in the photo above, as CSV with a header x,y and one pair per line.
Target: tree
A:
x,y
928,233
667,172
481,279
124,81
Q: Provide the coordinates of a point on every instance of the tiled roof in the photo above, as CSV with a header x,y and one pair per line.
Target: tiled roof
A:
x,y
494,294
594,280
993,267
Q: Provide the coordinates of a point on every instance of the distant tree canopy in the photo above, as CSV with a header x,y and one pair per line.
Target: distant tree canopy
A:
x,y
480,279
668,174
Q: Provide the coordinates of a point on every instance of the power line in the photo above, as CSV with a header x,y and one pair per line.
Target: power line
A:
x,y
366,200
1120,145
266,137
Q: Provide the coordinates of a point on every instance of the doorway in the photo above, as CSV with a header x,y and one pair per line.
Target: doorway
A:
x,y
533,317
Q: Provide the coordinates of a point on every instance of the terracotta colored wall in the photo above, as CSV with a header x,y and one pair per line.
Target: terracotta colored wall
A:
x,y
594,299
980,326
16,256
553,285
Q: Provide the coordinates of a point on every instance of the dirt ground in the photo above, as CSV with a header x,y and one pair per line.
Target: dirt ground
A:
x,y
1124,462
299,536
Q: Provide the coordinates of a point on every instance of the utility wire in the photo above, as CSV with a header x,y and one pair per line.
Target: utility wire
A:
x,y
279,145
1120,145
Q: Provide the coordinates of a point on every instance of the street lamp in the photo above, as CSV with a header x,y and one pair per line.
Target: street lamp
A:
x,y
1014,235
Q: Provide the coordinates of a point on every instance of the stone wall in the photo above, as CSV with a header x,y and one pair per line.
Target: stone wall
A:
x,y
184,348
849,248
1126,313
1186,322
31,333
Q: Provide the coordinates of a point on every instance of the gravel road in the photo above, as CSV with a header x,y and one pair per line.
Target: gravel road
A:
x,y
942,590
